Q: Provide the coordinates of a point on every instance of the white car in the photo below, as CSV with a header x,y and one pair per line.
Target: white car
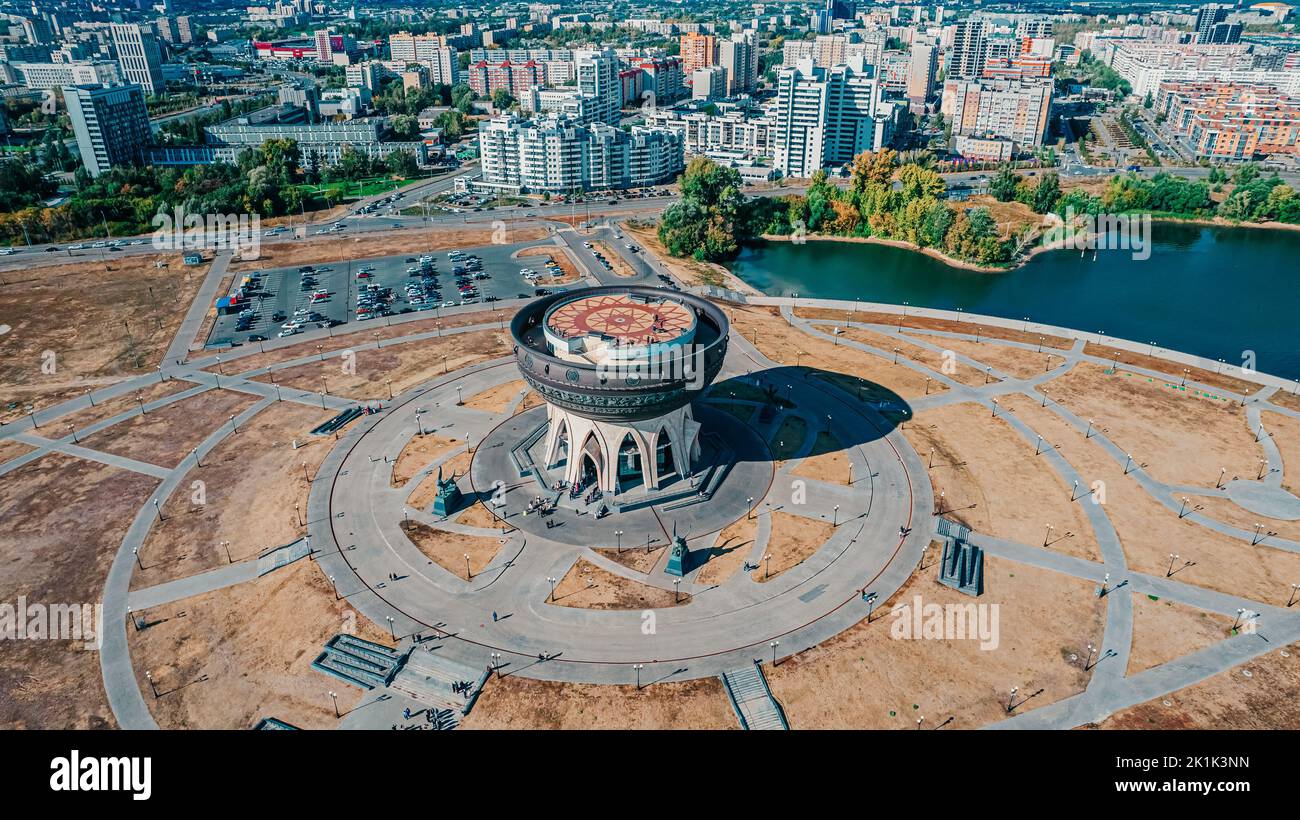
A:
x,y
288,331
76,247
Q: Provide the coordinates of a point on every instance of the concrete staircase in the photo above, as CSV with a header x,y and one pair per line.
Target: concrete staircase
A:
x,y
429,678
752,699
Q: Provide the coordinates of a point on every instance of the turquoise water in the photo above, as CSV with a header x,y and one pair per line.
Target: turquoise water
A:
x,y
1215,292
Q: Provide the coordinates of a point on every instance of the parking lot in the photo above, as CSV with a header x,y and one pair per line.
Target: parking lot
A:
x,y
349,291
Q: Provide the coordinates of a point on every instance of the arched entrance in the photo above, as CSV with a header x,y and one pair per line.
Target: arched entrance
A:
x,y
665,463
630,470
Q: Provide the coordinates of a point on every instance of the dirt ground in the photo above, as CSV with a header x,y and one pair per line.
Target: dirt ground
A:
x,y
64,520
831,462
107,408
424,493
418,453
167,435
733,547
405,365
361,246
925,357
992,482
226,659
587,586
448,549
1164,630
87,324
478,515
1222,509
569,271
497,399
1286,398
513,702
1016,362
243,494
634,558
1286,435
1149,532
781,343
10,449
866,678
793,540
1268,699
1174,370
1181,437
358,333
924,323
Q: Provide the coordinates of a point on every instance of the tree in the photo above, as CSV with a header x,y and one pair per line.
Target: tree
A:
x,y
710,220
1003,186
402,164
920,182
404,126
1046,193
501,99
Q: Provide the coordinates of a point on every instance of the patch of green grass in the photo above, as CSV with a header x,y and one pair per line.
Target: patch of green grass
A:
x,y
788,439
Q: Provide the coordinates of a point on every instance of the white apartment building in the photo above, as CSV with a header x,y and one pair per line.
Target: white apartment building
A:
x,y
77,72
835,49
557,155
1146,65
729,135
826,116
596,71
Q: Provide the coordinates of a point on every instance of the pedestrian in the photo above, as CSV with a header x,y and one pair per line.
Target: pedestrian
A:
x,y
494,616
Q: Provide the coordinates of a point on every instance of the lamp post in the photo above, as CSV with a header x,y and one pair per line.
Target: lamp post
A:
x,y
677,592
551,581
638,667
1173,556
226,546
334,697
835,512
774,645
1047,539
392,629
1011,701
468,574
619,535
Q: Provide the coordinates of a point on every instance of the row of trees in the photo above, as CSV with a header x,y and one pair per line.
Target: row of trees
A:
x,y
265,181
713,218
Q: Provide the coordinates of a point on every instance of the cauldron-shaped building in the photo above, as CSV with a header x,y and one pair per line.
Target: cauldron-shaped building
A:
x,y
618,367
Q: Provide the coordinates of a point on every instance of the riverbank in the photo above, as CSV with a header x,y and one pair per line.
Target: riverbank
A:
x,y
951,261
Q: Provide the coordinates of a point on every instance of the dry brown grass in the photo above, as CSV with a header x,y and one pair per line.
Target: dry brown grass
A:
x,y
167,435
992,482
424,493
1149,532
793,540
243,494
1016,362
64,519
10,449
418,453
859,677
497,399
92,323
107,408
1268,699
782,343
1222,509
226,659
637,559
1182,438
356,333
1174,370
405,365
513,702
926,323
934,360
734,545
448,549
1164,630
1286,435
587,586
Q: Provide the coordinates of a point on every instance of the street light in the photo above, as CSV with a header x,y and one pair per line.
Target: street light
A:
x,y
552,583
619,535
334,697
774,645
638,667
1173,556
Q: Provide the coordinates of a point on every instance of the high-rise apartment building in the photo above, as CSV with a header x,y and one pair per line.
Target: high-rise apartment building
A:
x,y
739,56
922,68
111,124
597,76
1014,110
698,51
826,116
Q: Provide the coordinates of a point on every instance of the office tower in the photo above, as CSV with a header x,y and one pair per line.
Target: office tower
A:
x,y
111,124
140,57
1222,34
841,9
